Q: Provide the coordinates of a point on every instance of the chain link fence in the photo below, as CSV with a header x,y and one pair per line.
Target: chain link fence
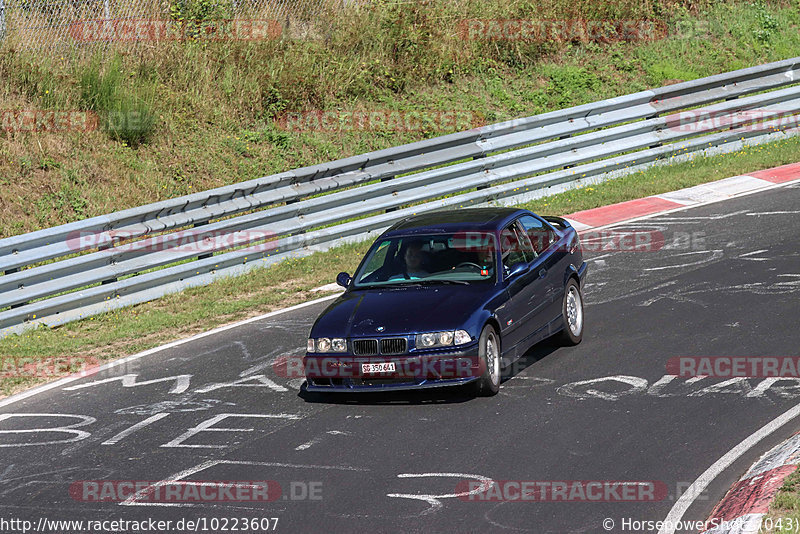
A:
x,y
43,24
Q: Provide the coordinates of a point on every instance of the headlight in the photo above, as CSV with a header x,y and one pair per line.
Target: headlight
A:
x,y
443,339
325,344
462,336
426,340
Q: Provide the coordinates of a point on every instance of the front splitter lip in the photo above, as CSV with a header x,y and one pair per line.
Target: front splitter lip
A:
x,y
348,387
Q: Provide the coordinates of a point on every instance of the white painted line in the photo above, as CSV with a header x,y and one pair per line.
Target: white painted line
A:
x,y
307,444
753,253
748,521
138,426
759,213
122,361
718,190
783,454
133,500
579,226
705,203
433,500
702,482
329,287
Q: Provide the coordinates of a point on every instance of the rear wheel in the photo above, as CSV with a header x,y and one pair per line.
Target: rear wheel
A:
x,y
572,314
489,360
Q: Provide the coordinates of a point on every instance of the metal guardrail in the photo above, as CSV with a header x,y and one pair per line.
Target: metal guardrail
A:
x,y
79,269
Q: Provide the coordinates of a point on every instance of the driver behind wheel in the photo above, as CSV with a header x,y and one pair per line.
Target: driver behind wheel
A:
x,y
486,258
414,261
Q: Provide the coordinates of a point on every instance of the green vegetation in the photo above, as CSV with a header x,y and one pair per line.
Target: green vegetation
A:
x,y
177,117
784,512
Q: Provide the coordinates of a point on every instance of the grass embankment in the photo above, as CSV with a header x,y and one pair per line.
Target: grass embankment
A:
x,y
209,113
784,512
180,117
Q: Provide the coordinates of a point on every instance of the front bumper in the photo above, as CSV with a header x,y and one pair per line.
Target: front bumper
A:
x,y
343,373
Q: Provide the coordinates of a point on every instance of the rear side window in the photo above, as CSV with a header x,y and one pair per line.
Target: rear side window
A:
x,y
514,246
540,235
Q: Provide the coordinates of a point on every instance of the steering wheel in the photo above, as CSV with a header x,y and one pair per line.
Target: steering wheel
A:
x,y
468,264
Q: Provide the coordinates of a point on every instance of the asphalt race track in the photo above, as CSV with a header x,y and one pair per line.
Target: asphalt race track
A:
x,y
727,282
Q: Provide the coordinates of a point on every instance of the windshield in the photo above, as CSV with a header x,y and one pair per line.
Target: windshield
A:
x,y
463,257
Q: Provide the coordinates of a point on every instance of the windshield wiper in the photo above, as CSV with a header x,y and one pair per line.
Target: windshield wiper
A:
x,y
387,286
413,283
443,281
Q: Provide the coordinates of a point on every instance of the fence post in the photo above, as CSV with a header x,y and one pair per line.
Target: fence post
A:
x,y
2,19
106,9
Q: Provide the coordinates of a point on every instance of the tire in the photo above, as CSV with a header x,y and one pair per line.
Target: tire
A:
x,y
489,359
572,315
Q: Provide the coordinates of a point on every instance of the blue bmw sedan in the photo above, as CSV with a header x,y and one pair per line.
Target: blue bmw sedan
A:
x,y
446,298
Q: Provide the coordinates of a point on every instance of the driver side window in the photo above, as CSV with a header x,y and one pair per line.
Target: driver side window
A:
x,y
380,258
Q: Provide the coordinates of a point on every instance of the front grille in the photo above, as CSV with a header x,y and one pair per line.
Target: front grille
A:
x,y
377,381
365,347
393,345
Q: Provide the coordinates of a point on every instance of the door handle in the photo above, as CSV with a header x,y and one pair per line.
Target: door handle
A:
x,y
542,273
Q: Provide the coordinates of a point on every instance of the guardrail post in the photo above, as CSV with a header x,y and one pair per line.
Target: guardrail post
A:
x,y
12,271
203,256
107,246
567,136
659,143
2,19
481,156
386,180
728,99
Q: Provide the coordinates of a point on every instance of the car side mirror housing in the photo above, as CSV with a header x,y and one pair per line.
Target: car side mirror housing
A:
x,y
518,269
343,279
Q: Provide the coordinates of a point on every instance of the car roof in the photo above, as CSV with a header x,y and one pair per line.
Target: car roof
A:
x,y
442,221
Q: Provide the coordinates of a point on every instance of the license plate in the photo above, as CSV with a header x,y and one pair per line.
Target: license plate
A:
x,y
383,367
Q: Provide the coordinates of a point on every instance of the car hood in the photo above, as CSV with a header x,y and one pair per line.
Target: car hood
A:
x,y
359,313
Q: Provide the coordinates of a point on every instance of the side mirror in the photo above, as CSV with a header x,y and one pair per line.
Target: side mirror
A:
x,y
518,269
343,279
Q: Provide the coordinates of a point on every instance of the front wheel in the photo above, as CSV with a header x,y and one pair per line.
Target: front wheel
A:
x,y
489,360
572,314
